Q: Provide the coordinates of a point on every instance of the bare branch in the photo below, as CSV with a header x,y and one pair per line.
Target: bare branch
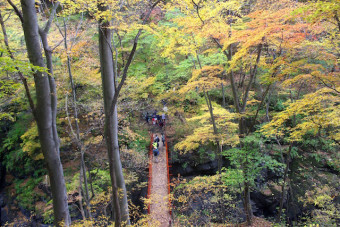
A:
x,y
197,11
22,77
327,85
252,75
53,12
60,42
68,118
17,11
72,40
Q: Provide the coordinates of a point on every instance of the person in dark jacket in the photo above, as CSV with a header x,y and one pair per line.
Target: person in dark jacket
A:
x,y
163,139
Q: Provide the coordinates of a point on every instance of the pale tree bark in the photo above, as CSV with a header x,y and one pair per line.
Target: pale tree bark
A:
x,y
45,112
111,90
223,96
119,197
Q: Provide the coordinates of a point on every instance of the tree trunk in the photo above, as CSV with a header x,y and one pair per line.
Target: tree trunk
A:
x,y
75,112
283,187
120,205
45,114
219,152
246,194
223,96
247,204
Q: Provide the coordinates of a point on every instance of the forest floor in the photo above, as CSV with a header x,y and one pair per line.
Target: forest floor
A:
x,y
159,207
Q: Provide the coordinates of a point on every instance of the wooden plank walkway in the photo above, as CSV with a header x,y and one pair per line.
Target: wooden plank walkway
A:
x,y
159,208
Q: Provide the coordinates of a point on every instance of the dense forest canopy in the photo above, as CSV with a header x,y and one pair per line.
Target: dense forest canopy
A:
x,y
247,94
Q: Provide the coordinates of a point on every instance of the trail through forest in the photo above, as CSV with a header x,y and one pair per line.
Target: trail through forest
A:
x,y
159,207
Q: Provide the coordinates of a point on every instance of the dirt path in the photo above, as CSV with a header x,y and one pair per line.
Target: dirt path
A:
x,y
159,208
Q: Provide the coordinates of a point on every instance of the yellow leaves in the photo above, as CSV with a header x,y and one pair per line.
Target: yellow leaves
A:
x,y
204,133
294,80
207,78
192,142
30,143
320,196
190,30
319,11
140,86
94,140
317,110
174,41
197,188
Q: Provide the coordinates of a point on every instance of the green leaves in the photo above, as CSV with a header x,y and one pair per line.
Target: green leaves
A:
x,y
249,161
14,66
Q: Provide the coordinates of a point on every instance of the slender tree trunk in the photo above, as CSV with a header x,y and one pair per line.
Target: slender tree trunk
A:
x,y
120,205
81,208
336,17
263,98
193,61
283,187
247,204
223,95
246,193
219,152
45,114
75,112
267,107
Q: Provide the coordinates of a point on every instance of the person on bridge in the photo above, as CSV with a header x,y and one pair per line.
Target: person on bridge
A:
x,y
155,150
154,118
163,118
163,139
156,140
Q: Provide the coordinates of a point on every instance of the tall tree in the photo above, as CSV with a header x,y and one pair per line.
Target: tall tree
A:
x,y
111,90
119,197
46,105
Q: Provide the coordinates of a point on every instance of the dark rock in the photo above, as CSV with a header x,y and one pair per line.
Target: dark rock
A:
x,y
263,205
2,175
208,168
3,211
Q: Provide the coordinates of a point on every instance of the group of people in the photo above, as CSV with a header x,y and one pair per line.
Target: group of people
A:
x,y
155,146
155,119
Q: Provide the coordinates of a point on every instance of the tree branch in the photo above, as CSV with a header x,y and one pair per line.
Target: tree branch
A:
x,y
197,11
60,42
260,105
17,11
336,17
132,53
22,77
252,75
329,86
50,19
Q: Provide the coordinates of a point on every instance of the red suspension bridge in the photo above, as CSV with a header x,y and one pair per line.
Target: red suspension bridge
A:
x,y
159,207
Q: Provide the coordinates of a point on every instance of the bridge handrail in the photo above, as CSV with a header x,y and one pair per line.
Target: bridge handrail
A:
x,y
150,171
